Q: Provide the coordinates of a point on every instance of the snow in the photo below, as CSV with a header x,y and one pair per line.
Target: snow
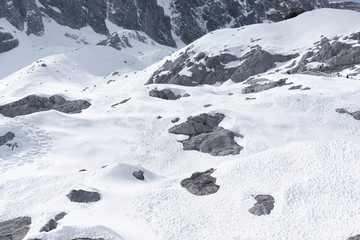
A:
x,y
296,147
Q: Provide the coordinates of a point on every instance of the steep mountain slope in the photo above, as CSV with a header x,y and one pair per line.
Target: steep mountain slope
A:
x,y
162,20
293,157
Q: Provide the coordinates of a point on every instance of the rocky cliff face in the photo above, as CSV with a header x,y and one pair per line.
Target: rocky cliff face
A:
x,y
187,19
346,5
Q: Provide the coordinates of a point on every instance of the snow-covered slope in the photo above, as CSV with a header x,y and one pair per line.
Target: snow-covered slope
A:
x,y
296,146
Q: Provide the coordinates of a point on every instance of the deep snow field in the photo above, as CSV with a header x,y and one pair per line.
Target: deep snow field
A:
x,y
297,148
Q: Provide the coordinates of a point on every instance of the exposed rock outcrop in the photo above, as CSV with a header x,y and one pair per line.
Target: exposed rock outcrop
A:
x,y
201,183
139,175
83,196
356,114
203,69
33,103
166,94
349,5
15,229
52,223
122,39
6,138
256,87
7,42
205,135
357,237
263,206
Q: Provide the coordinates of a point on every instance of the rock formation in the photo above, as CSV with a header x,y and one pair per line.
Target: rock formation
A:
x,y
201,183
83,196
263,206
15,229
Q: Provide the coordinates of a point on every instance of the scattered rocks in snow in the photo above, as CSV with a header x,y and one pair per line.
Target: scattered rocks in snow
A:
x,y
219,142
175,120
210,70
356,114
201,183
166,94
33,103
263,206
83,196
256,87
205,135
15,229
357,237
52,223
6,138
7,42
139,175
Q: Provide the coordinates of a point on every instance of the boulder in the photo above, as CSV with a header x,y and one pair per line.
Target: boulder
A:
x,y
6,138
201,183
263,206
50,225
139,175
219,142
166,94
7,42
83,196
33,103
15,229
256,87
203,123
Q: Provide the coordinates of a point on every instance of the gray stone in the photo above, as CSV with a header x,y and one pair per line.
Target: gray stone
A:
x,y
6,138
83,196
213,69
123,41
33,103
60,216
15,229
295,87
341,110
256,87
357,237
263,206
139,175
7,42
166,94
175,120
203,123
201,183
50,225
355,115
219,142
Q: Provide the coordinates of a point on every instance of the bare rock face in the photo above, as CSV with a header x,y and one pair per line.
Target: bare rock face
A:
x,y
205,135
201,183
165,94
263,206
210,70
7,42
83,196
52,223
356,114
357,237
15,229
6,138
33,103
256,87
120,41
355,6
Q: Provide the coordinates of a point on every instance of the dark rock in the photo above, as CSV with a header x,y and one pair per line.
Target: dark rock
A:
x,y
202,123
341,110
7,42
213,69
350,5
159,117
50,225
305,88
201,183
122,102
250,98
33,103
207,105
175,120
166,94
123,41
219,142
295,87
87,239
139,175
263,206
60,216
256,87
6,138
356,114
82,170
186,95
291,14
15,229
83,196
357,237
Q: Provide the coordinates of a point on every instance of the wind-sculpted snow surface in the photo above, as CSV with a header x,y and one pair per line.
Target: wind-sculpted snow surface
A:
x,y
33,104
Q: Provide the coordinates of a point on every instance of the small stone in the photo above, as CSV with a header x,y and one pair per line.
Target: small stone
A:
x,y
82,196
295,87
50,225
82,170
60,216
341,110
175,120
207,105
263,206
139,175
